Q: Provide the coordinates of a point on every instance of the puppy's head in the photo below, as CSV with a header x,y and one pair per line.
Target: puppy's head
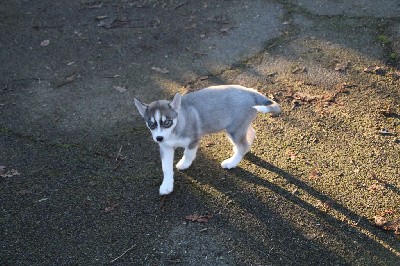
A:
x,y
160,116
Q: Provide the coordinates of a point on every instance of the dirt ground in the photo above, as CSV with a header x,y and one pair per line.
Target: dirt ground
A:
x,y
79,172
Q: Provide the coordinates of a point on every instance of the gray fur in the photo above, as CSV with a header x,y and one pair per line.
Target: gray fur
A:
x,y
218,108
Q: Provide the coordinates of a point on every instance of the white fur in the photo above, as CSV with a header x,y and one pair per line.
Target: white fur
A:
x,y
167,162
188,156
274,108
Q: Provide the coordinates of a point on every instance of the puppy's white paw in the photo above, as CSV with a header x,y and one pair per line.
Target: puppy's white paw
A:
x,y
166,188
183,164
228,164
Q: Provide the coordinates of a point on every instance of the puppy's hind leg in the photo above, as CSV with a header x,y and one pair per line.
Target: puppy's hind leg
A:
x,y
250,135
241,146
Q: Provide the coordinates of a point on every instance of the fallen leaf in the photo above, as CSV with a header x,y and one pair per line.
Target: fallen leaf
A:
x,y
385,132
314,174
291,154
199,218
209,144
161,70
342,66
327,205
376,187
395,74
304,97
101,17
111,207
68,79
387,212
10,173
45,43
393,226
120,89
299,70
93,6
225,30
376,70
382,221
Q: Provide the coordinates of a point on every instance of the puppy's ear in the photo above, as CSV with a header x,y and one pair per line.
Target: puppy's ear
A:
x,y
176,102
141,107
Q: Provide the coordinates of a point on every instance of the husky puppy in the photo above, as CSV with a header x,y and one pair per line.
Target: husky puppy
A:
x,y
184,120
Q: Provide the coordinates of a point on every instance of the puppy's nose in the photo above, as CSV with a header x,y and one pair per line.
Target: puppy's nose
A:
x,y
159,138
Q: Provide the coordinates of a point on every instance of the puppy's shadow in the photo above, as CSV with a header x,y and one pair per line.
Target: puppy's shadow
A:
x,y
361,221
298,183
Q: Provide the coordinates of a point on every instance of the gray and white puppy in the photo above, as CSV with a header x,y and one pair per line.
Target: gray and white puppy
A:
x,y
184,120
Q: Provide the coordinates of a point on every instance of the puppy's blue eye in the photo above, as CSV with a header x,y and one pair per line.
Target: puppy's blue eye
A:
x,y
152,125
167,123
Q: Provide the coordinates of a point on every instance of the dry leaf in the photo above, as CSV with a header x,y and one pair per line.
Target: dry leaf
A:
x,y
68,79
395,74
291,154
45,43
376,70
299,70
225,29
10,173
342,66
111,207
120,89
382,221
327,205
101,17
393,226
209,144
376,187
161,70
314,174
199,218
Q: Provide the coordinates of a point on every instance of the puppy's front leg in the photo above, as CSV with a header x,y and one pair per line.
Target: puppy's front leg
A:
x,y
187,159
167,160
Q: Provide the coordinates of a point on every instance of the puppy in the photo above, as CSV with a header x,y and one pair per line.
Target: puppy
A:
x,y
184,120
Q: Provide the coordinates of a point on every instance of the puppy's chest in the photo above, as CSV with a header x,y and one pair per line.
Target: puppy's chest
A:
x,y
175,142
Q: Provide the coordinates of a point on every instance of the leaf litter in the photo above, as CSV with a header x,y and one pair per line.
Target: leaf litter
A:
x,y
9,173
381,220
199,218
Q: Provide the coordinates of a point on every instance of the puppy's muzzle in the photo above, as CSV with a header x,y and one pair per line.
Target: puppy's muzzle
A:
x,y
159,138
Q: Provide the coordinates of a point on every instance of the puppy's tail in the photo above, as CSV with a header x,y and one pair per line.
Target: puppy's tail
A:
x,y
271,107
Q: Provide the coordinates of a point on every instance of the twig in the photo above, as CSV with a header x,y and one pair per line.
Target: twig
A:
x,y
116,166
179,5
69,79
126,251
119,154
194,52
